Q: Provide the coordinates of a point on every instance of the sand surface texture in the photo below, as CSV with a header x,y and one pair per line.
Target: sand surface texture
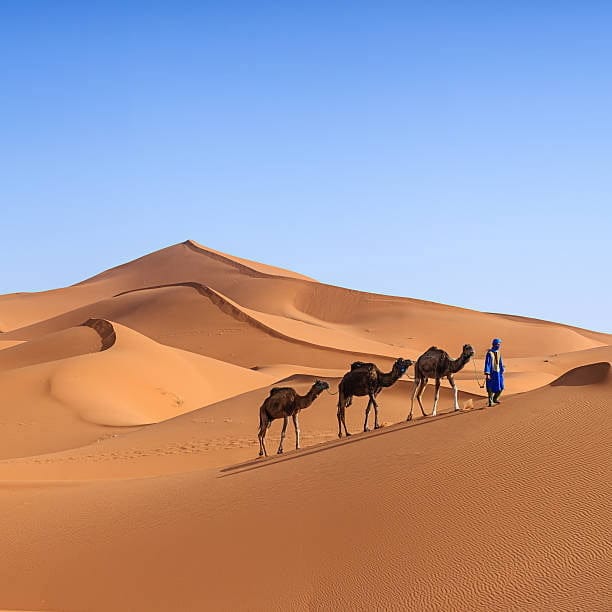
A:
x,y
129,468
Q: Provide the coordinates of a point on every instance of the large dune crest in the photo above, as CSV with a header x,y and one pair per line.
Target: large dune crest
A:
x,y
403,322
182,262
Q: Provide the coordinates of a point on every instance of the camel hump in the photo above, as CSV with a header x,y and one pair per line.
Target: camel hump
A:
x,y
357,365
432,348
276,390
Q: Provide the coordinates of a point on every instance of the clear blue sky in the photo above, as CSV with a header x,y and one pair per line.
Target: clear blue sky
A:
x,y
459,152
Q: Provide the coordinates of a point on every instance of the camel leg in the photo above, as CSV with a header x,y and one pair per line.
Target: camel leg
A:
x,y
451,380
265,432
346,432
341,412
263,427
296,426
280,446
367,414
419,394
436,398
417,384
414,391
376,425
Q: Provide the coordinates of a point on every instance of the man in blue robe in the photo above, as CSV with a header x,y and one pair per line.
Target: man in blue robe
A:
x,y
494,372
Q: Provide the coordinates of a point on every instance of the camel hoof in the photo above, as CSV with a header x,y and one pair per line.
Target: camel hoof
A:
x,y
366,429
348,434
279,452
377,426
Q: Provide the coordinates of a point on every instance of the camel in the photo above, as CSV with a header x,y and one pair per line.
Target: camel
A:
x,y
284,402
366,379
436,363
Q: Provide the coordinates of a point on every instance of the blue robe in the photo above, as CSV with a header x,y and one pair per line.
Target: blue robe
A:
x,y
494,366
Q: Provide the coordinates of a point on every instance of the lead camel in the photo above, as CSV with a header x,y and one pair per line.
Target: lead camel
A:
x,y
436,363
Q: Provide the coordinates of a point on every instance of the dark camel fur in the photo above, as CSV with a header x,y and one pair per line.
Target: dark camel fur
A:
x,y
284,402
436,363
366,379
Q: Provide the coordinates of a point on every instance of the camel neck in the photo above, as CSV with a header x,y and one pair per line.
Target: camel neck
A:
x,y
457,364
388,378
306,400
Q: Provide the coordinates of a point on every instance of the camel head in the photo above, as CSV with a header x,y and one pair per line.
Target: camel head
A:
x,y
319,386
402,365
468,351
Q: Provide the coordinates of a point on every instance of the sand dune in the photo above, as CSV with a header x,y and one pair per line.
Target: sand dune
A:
x,y
128,450
592,374
491,510
134,382
400,322
198,319
91,337
143,382
184,262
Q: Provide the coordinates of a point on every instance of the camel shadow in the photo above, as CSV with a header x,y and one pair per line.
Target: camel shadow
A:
x,y
264,462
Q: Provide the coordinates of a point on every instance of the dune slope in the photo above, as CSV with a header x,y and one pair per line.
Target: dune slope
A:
x,y
80,396
300,305
489,510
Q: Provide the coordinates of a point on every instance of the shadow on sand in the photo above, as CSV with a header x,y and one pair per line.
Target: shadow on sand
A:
x,y
262,462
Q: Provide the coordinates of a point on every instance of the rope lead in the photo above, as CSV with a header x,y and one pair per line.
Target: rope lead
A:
x,y
482,386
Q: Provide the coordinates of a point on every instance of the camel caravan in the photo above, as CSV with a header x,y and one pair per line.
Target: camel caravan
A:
x,y
362,379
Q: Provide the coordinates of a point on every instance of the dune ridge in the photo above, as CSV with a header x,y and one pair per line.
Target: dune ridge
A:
x,y
105,330
239,313
245,265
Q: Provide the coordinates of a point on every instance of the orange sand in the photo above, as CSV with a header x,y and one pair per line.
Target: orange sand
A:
x,y
130,478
